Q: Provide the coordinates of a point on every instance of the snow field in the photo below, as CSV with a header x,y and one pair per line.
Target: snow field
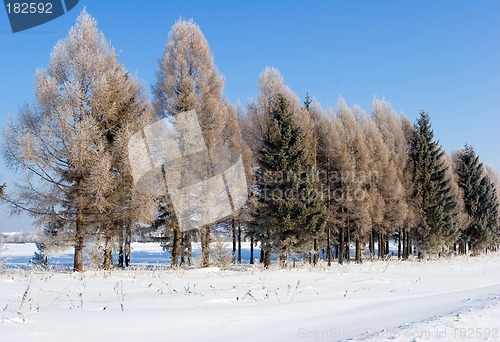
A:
x,y
378,301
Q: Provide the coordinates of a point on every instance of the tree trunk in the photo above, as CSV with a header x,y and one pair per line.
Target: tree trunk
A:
x,y
128,241
372,245
108,256
120,256
176,245
380,245
341,246
348,245
408,244
282,259
239,242
251,251
120,250
262,255
328,246
399,243
79,243
233,232
315,255
358,252
186,250
387,245
267,259
405,245
205,247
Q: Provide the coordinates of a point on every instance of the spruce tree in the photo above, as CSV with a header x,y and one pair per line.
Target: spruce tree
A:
x,y
435,202
480,201
287,212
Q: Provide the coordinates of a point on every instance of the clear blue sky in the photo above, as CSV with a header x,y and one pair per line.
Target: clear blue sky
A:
x,y
440,56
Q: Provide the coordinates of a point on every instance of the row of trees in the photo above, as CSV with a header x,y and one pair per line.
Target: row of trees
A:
x,y
319,182
374,178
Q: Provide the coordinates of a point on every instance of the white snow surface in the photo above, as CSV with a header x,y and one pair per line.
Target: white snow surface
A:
x,y
455,299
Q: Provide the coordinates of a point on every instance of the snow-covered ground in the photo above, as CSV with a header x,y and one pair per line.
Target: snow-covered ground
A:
x,y
455,299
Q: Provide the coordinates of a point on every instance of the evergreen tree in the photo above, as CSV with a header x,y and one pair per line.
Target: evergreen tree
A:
x,y
435,202
480,201
287,214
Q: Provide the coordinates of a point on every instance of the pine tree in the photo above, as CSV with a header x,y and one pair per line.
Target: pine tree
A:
x,y
480,201
287,214
436,204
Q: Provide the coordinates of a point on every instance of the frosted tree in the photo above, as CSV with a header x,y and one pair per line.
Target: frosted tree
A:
x,y
392,174
411,218
351,178
271,85
327,168
188,79
383,186
67,145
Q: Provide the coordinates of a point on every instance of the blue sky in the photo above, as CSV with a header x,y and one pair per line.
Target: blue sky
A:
x,y
439,56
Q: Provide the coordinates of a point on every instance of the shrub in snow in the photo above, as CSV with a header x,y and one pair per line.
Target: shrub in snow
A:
x,y
222,256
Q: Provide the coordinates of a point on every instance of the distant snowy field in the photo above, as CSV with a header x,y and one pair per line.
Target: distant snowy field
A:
x,y
455,299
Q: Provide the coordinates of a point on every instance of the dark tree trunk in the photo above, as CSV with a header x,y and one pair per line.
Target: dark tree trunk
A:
x,y
128,241
79,243
341,246
251,251
120,256
399,243
120,249
380,245
328,246
405,245
261,259
408,244
233,233
176,245
239,242
372,245
186,250
358,252
348,245
205,246
267,259
108,256
315,256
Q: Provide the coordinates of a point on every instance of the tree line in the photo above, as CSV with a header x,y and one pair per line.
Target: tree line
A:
x,y
320,182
